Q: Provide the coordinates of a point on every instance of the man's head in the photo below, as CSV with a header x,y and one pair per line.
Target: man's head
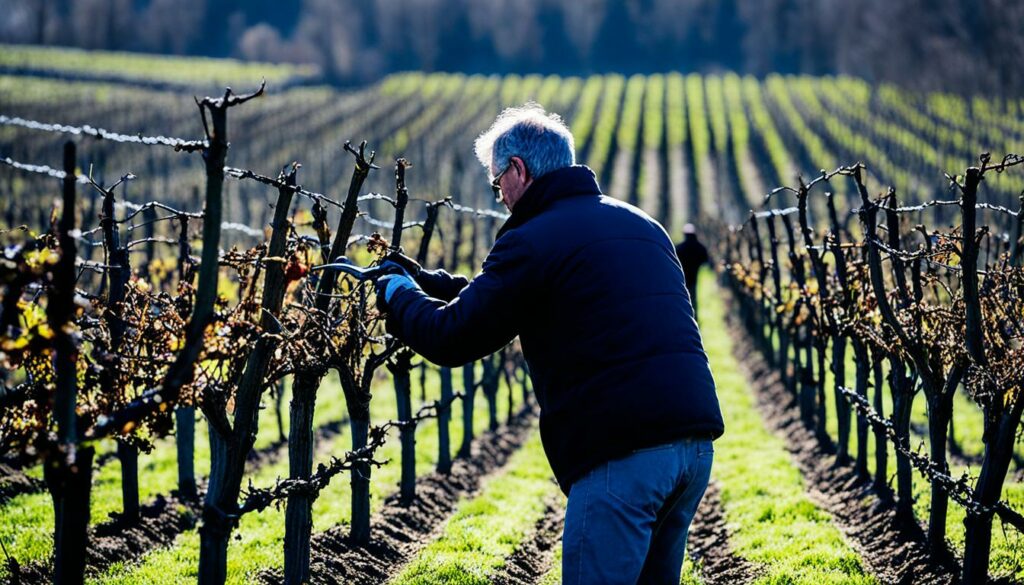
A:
x,y
524,144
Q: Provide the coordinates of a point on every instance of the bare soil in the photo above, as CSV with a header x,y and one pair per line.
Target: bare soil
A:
x,y
14,482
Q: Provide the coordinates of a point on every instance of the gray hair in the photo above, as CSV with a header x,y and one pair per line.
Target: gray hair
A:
x,y
541,139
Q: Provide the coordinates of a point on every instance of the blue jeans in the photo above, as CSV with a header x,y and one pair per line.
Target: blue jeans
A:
x,y
627,519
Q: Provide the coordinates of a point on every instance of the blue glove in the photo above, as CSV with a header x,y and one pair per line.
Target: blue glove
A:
x,y
389,284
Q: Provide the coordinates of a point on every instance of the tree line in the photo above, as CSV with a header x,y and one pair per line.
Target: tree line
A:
x,y
954,45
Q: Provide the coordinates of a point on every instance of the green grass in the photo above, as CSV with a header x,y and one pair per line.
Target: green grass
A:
x,y
486,529
146,67
26,522
772,522
257,545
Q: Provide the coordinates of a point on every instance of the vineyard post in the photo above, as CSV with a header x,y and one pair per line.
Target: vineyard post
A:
x,y
782,355
444,456
401,364
469,384
880,483
118,273
506,365
68,466
862,377
185,416
492,367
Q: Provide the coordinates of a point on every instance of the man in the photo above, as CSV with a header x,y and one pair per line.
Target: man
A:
x,y
692,255
594,290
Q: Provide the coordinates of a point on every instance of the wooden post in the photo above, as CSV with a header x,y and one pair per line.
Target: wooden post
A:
x,y
68,468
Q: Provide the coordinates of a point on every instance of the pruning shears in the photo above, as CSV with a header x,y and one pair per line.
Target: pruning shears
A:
x,y
343,264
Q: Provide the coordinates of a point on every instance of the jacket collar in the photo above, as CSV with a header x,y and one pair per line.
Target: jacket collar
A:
x,y
559,184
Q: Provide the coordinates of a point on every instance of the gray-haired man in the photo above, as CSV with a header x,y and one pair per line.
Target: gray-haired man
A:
x,y
594,290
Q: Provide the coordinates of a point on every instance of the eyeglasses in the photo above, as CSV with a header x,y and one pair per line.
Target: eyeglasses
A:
x,y
494,183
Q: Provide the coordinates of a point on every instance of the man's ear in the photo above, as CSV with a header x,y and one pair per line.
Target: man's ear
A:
x,y
521,168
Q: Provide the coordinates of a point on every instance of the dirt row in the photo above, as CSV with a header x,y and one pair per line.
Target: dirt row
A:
x,y
14,482
892,553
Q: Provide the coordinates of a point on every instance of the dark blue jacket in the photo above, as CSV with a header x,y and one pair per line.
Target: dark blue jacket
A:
x,y
594,290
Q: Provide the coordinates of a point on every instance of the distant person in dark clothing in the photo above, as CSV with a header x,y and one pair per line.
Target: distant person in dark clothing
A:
x,y
593,289
692,255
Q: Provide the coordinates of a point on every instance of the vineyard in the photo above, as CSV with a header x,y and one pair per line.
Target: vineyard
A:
x,y
185,394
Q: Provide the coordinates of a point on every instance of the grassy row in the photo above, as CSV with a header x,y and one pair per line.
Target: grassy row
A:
x,y
699,135
145,67
772,521
583,124
486,529
606,124
739,127
767,133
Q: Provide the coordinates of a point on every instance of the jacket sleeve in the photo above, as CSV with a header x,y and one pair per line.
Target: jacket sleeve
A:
x,y
481,319
441,285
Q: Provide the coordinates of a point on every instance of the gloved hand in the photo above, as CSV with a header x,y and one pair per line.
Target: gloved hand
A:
x,y
387,285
